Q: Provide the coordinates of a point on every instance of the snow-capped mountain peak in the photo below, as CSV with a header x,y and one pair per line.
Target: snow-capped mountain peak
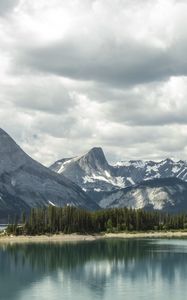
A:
x,y
94,161
92,171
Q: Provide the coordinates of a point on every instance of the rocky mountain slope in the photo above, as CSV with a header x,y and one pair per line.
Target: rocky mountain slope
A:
x,y
93,173
24,183
90,171
139,170
168,194
138,184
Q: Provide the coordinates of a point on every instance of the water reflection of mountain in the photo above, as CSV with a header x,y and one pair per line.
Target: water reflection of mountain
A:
x,y
94,264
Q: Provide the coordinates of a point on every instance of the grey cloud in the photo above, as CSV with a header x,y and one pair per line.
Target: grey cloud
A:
x,y
152,116
7,5
152,104
127,64
39,94
99,85
147,143
60,136
64,126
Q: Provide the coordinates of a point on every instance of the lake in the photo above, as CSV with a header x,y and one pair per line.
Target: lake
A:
x,y
112,269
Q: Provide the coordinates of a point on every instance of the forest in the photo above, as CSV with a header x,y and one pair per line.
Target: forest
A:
x,y
69,219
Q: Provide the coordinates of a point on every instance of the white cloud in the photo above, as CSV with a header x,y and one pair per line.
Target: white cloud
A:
x,y
77,74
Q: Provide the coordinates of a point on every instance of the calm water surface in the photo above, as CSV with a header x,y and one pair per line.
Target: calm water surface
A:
x,y
107,269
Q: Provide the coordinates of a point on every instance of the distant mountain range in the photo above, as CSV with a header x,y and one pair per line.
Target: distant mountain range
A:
x,y
25,183
87,181
92,171
135,183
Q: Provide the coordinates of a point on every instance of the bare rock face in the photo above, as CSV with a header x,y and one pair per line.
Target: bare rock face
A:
x,y
135,183
165,194
92,172
137,170
25,183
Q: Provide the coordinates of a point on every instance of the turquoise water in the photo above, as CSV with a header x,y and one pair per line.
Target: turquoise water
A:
x,y
106,269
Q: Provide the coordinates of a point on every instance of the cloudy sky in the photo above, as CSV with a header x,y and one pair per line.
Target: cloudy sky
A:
x,y
77,74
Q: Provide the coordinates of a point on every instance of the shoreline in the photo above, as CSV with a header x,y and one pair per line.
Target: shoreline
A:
x,y
78,237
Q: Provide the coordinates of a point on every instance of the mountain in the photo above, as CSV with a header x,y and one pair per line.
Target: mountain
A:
x,y
92,172
25,183
166,194
134,183
138,170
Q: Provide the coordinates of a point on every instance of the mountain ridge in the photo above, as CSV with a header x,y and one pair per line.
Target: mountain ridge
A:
x,y
25,183
107,176
89,171
136,183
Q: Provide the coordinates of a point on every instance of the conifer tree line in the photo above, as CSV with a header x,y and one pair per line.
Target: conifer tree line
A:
x,y
70,219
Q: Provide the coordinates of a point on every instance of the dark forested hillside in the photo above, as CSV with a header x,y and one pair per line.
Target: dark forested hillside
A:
x,y
71,219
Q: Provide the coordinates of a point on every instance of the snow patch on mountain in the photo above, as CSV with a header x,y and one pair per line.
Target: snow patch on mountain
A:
x,y
51,203
127,183
135,163
92,171
129,179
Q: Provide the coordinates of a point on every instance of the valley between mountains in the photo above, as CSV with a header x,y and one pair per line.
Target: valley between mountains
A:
x,y
88,182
